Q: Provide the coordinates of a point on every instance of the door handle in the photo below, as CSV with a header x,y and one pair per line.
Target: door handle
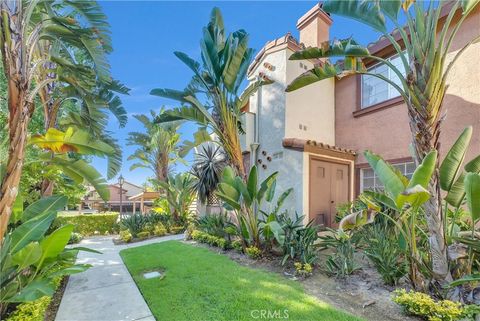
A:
x,y
332,202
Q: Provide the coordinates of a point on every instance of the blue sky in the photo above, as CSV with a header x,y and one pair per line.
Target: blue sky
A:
x,y
146,33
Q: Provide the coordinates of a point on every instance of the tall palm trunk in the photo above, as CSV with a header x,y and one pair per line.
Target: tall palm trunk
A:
x,y
425,129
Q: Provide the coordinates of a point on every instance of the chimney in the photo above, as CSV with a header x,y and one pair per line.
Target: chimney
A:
x,y
314,27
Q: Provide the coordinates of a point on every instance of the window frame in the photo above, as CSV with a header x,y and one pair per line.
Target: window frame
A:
x,y
403,162
389,86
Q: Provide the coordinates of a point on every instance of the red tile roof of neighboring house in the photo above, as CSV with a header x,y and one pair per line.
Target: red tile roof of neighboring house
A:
x,y
314,146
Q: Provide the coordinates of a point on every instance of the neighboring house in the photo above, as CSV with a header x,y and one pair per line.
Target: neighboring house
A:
x,y
315,136
130,196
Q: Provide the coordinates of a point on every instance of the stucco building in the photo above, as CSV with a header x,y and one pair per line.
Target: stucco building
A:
x,y
315,136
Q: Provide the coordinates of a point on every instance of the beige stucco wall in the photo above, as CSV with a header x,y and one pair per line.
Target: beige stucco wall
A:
x,y
387,132
312,107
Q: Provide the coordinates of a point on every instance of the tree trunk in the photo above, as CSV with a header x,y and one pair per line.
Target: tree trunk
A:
x,y
19,109
18,123
426,133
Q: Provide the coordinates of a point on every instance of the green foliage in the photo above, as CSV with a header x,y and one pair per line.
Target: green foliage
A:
x,y
253,252
126,236
180,195
143,234
159,230
210,239
32,260
31,311
216,224
177,229
90,224
383,251
299,242
421,304
342,262
135,223
157,148
216,81
303,270
237,245
207,168
246,200
75,238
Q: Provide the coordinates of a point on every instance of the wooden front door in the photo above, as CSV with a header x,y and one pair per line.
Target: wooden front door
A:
x,y
329,187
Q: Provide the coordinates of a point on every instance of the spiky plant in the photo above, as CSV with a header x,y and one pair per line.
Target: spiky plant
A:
x,y
207,168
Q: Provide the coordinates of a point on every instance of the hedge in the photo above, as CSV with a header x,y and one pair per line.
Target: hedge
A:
x,y
90,224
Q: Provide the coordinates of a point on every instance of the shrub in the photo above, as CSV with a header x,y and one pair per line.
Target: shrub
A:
x,y
237,245
210,239
149,228
299,241
75,238
159,230
303,269
143,235
216,224
32,311
90,224
126,236
253,252
423,305
177,229
135,223
342,262
383,251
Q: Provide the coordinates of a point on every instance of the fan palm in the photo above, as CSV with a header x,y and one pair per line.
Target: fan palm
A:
x,y
157,148
207,168
218,77
24,25
423,53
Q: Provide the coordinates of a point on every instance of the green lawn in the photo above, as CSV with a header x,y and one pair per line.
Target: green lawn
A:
x,y
202,285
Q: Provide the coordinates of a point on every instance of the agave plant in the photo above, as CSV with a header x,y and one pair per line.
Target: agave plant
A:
x,y
219,75
207,168
423,53
24,27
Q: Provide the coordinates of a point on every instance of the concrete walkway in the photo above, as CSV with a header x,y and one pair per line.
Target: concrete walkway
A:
x,y
106,291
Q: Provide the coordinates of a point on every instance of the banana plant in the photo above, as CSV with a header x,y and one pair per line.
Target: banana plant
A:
x,y
423,46
405,197
462,185
246,200
62,150
31,258
216,82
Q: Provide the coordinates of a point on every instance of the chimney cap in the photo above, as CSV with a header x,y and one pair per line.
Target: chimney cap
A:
x,y
314,12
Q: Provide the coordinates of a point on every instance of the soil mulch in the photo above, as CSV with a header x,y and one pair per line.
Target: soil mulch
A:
x,y
362,294
54,305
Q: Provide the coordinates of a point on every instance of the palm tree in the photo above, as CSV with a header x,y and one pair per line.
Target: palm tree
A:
x,y
158,148
207,169
23,27
218,77
423,52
